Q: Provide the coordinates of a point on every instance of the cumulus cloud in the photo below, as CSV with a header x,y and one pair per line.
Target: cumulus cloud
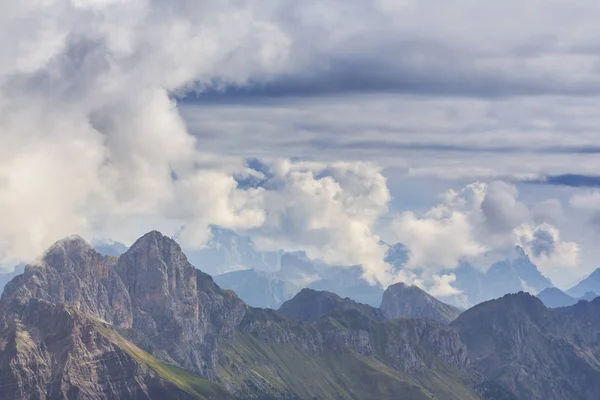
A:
x,y
91,136
89,132
482,221
548,251
442,286
329,210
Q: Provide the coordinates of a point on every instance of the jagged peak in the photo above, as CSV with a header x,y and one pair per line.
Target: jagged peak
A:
x,y
70,243
404,287
308,293
152,237
522,300
155,245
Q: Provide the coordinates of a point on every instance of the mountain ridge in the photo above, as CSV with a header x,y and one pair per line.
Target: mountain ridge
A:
x,y
404,301
155,299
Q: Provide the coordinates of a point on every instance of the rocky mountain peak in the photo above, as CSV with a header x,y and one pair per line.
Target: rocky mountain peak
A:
x,y
404,301
67,251
590,284
312,305
156,272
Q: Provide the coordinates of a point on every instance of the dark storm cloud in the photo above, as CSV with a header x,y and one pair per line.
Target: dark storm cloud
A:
x,y
571,180
466,148
369,76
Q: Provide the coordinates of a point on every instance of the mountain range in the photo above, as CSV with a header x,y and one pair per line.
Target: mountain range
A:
x,y
516,272
554,298
148,325
590,284
268,279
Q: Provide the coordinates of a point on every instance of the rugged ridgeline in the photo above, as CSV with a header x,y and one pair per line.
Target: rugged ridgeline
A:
x,y
280,281
535,352
81,325
263,289
312,305
554,298
403,301
590,284
148,325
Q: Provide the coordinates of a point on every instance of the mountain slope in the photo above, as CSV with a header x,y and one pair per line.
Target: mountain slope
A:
x,y
513,274
109,247
258,288
535,352
402,301
312,305
52,351
155,299
554,298
590,284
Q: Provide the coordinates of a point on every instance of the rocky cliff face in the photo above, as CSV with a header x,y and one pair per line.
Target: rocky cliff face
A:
x,y
53,352
535,352
153,297
402,301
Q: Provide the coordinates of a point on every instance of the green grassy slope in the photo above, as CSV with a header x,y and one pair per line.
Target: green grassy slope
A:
x,y
293,371
290,372
200,388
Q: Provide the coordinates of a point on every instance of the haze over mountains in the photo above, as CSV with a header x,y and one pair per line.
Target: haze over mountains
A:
x,y
280,275
268,279
80,325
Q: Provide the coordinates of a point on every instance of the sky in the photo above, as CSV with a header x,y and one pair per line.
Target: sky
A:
x,y
460,128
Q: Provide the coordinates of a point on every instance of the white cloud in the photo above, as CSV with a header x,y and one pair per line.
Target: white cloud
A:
x,y
589,200
442,286
88,132
329,210
555,258
482,222
90,136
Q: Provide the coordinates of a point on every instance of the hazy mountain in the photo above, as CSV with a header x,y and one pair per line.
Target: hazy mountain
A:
x,y
109,247
404,301
79,325
298,269
349,282
8,276
554,298
227,251
258,288
590,284
513,274
588,296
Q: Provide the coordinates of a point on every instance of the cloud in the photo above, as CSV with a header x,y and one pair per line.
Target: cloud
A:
x,y
589,200
93,134
89,132
345,47
572,180
329,210
443,286
480,222
548,251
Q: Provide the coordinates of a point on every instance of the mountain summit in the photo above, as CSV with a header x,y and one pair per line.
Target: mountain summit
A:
x,y
176,334
590,284
404,301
